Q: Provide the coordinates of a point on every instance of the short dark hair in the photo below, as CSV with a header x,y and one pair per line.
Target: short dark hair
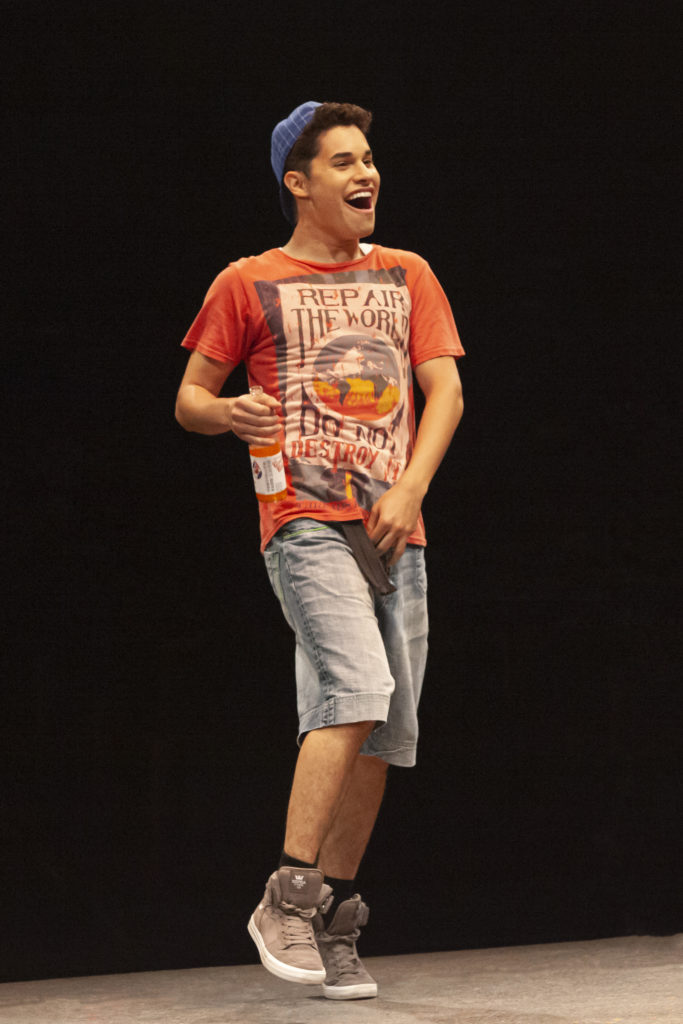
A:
x,y
306,147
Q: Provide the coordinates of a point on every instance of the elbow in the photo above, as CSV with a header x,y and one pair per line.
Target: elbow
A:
x,y
181,414
458,402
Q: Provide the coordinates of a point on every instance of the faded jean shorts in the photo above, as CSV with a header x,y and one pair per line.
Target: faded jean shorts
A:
x,y
359,657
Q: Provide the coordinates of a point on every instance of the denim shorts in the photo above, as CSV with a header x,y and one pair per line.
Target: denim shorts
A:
x,y
359,657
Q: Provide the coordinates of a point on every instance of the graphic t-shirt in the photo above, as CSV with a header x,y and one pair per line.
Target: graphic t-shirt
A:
x,y
335,344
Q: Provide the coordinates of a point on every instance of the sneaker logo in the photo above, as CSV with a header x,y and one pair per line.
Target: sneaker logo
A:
x,y
298,881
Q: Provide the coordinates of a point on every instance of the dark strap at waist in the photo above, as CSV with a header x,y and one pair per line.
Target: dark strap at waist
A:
x,y
370,562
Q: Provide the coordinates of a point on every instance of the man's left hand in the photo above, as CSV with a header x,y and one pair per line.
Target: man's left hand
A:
x,y
393,518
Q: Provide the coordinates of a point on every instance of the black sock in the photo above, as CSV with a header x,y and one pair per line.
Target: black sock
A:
x,y
293,862
344,888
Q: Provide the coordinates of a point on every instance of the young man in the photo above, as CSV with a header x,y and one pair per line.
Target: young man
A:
x,y
332,330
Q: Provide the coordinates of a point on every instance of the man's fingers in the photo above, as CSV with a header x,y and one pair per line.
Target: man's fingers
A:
x,y
255,420
257,410
265,404
398,550
383,542
261,409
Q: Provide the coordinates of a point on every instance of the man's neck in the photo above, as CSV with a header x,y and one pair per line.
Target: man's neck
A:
x,y
313,248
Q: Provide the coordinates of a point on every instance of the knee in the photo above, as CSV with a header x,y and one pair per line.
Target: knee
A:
x,y
363,729
358,731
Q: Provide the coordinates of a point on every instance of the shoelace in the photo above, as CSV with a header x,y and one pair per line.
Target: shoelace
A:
x,y
297,930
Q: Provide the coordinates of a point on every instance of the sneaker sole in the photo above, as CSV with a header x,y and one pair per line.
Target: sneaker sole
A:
x,y
280,969
365,991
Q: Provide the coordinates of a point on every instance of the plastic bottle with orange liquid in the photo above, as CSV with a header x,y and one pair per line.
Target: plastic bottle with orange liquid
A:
x,y
267,465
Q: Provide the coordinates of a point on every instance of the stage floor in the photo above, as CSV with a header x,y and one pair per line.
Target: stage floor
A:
x,y
635,980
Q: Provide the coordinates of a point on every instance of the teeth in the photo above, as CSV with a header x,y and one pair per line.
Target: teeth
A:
x,y
359,195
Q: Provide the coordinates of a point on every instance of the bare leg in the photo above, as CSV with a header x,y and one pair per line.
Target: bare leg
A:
x,y
348,836
323,769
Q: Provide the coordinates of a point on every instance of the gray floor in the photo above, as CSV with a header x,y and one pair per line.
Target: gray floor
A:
x,y
636,980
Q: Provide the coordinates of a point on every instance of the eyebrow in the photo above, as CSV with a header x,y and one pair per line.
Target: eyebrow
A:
x,y
337,156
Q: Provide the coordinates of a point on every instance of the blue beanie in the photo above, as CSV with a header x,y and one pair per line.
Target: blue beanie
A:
x,y
282,140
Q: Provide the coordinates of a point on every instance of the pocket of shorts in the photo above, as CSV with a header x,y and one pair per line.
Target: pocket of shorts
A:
x,y
421,572
272,560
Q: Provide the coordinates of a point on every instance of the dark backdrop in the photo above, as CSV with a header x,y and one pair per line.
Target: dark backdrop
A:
x,y
148,698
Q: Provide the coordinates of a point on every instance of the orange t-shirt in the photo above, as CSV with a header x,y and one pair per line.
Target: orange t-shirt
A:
x,y
335,344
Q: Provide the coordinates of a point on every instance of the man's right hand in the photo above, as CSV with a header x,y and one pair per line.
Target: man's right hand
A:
x,y
199,407
255,420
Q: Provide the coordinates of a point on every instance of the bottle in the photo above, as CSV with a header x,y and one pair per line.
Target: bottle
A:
x,y
267,465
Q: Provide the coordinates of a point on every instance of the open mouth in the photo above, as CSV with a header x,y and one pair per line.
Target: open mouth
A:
x,y
360,200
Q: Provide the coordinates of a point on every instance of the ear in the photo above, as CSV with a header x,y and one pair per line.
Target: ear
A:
x,y
297,183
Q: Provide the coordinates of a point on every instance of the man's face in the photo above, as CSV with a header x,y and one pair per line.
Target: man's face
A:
x,y
343,184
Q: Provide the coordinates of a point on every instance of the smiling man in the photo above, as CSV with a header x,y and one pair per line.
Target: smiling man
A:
x,y
334,329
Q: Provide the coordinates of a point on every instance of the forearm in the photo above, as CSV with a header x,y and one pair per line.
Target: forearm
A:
x,y
395,515
442,413
202,412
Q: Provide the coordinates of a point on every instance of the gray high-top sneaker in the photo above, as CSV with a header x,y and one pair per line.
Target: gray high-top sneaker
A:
x,y
346,977
282,924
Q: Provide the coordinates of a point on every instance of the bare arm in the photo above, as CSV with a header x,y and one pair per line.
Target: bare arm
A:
x,y
200,408
394,516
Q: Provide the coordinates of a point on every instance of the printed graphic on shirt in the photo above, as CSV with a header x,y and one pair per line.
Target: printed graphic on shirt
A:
x,y
344,374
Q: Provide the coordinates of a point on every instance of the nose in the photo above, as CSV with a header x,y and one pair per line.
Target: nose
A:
x,y
365,173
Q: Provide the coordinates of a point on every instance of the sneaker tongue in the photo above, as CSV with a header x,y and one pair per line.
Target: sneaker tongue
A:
x,y
301,886
345,920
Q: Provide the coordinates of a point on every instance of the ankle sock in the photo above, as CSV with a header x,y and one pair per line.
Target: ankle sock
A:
x,y
344,888
293,862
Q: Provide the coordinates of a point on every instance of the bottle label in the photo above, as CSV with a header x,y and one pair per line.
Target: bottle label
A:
x,y
269,474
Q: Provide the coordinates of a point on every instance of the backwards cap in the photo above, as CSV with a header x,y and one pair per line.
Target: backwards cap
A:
x,y
282,140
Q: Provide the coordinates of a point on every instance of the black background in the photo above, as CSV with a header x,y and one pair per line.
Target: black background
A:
x,y
528,153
